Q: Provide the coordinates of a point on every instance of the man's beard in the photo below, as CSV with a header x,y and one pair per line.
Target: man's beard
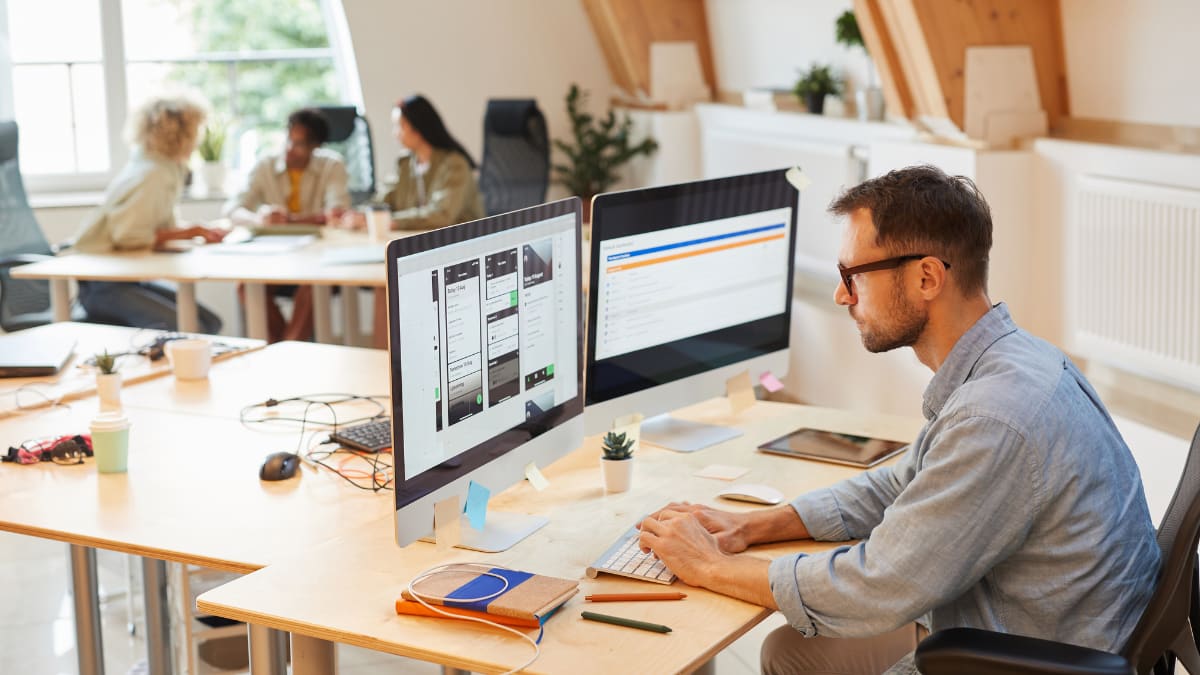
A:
x,y
906,324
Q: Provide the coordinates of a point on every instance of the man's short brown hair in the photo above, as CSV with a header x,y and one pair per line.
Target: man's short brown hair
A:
x,y
920,209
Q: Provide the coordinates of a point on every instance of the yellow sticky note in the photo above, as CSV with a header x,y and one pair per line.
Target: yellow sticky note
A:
x,y
798,178
631,426
447,523
535,477
740,391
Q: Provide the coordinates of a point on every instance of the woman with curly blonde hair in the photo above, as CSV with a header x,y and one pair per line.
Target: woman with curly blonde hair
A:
x,y
139,213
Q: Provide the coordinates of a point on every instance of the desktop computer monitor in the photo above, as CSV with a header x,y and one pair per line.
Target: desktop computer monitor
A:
x,y
690,285
486,352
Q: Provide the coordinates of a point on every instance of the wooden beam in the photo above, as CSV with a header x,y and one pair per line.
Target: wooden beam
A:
x,y
882,49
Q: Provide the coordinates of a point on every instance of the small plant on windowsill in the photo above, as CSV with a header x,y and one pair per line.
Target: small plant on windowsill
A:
x,y
617,463
814,84
108,382
210,148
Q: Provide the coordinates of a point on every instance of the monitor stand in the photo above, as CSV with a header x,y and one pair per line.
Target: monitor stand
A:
x,y
500,533
679,435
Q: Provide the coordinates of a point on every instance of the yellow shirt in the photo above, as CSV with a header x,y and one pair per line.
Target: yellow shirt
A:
x,y
294,176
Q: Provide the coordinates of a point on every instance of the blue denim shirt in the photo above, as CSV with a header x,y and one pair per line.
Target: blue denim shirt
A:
x,y
1018,508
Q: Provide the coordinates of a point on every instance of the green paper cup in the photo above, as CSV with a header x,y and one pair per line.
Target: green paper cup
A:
x,y
110,442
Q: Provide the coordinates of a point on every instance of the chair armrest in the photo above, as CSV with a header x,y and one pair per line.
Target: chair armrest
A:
x,y
982,652
18,259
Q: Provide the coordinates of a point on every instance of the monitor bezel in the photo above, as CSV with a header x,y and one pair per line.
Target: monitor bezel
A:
x,y
695,191
412,490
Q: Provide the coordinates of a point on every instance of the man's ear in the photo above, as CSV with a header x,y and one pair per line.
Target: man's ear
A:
x,y
934,278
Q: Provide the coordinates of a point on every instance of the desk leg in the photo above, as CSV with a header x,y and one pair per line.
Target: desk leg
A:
x,y
312,655
322,322
351,335
85,589
187,314
256,310
449,670
60,299
158,617
709,668
268,651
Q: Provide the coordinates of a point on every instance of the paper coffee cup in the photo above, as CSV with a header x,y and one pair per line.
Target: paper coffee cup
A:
x,y
379,221
110,442
190,359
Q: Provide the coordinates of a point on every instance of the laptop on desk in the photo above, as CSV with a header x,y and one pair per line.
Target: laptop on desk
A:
x,y
23,355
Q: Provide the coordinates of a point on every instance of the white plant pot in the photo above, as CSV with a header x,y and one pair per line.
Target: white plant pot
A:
x,y
869,102
618,474
213,174
108,389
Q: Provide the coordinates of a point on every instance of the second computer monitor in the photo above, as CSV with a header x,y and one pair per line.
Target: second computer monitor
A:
x,y
690,285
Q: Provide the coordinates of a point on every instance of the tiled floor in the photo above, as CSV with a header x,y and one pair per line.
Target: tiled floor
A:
x,y
37,629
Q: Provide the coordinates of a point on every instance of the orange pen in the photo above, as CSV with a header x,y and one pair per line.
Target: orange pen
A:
x,y
623,597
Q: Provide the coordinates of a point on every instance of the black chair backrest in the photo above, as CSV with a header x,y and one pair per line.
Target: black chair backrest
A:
x,y
19,233
1178,535
515,170
350,135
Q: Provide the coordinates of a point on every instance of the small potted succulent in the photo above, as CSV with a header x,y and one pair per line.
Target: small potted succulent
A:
x,y
617,462
813,85
108,382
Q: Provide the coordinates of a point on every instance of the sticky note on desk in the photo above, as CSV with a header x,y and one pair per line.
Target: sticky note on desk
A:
x,y
476,507
722,472
740,391
631,426
770,382
535,477
447,523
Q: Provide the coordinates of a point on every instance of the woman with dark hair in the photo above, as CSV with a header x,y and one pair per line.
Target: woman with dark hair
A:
x,y
435,181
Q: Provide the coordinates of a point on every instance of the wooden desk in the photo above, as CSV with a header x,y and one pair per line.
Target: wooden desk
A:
x,y
302,266
77,380
343,590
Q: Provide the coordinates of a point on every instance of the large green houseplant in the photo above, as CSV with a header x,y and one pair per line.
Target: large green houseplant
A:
x,y
596,149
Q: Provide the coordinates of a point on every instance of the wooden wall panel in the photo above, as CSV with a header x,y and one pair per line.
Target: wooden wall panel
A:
x,y
882,48
625,29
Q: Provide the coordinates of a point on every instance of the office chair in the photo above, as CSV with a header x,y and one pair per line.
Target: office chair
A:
x,y
24,303
515,170
1166,630
350,135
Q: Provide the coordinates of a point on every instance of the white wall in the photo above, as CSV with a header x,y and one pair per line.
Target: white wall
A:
x,y
1133,60
764,43
460,53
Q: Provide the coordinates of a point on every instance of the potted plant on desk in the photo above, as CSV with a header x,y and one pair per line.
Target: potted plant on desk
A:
x,y
814,85
617,463
108,382
210,149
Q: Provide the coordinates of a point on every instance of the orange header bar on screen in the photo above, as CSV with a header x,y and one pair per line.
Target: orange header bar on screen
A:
x,y
677,256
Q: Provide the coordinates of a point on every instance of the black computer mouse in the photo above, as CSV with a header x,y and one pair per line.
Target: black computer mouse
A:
x,y
280,466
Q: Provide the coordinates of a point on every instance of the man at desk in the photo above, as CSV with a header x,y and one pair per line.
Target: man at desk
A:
x,y
304,184
1018,508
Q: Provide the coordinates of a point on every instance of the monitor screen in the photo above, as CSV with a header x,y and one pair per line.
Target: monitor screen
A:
x,y
486,344
690,282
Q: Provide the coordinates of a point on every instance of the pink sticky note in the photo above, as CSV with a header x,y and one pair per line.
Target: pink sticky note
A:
x,y
770,382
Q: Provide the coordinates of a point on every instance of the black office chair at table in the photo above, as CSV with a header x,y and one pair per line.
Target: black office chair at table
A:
x,y
24,303
350,135
515,170
1166,630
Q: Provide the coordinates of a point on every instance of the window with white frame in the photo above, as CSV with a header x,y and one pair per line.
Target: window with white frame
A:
x,y
75,67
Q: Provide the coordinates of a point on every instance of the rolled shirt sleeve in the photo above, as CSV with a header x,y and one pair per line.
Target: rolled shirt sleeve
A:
x,y
933,534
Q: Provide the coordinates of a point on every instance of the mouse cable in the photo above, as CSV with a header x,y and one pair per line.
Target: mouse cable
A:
x,y
485,570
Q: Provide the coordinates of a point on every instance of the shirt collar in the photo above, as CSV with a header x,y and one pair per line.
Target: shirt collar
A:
x,y
966,353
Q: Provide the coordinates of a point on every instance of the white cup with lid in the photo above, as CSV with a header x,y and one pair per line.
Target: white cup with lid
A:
x,y
379,222
110,441
190,358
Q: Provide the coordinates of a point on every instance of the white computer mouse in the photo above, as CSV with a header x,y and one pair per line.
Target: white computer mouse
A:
x,y
753,493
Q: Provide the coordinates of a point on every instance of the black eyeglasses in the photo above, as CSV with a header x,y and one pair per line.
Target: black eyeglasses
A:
x,y
886,264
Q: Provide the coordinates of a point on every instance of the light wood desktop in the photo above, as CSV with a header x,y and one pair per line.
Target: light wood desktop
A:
x,y
302,266
343,590
77,380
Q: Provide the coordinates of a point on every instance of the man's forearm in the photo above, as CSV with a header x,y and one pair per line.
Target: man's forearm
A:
x,y
781,523
744,577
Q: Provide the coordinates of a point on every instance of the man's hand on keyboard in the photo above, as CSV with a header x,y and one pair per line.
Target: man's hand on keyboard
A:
x,y
679,539
728,528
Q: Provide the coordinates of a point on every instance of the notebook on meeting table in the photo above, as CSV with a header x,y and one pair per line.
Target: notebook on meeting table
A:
x,y
528,600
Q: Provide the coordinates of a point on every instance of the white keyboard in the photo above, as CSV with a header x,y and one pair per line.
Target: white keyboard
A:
x,y
624,558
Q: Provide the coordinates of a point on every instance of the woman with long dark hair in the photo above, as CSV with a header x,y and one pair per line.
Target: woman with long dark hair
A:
x,y
435,181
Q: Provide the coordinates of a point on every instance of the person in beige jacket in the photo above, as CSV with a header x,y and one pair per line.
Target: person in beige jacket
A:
x,y
139,213
435,182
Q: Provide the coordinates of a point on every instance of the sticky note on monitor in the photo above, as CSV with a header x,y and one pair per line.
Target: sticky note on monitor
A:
x,y
476,506
740,391
447,523
535,477
630,425
770,382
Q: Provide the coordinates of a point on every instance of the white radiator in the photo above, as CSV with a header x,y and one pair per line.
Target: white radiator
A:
x,y
1133,278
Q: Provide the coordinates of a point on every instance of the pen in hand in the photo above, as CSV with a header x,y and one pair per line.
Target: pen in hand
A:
x,y
628,623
